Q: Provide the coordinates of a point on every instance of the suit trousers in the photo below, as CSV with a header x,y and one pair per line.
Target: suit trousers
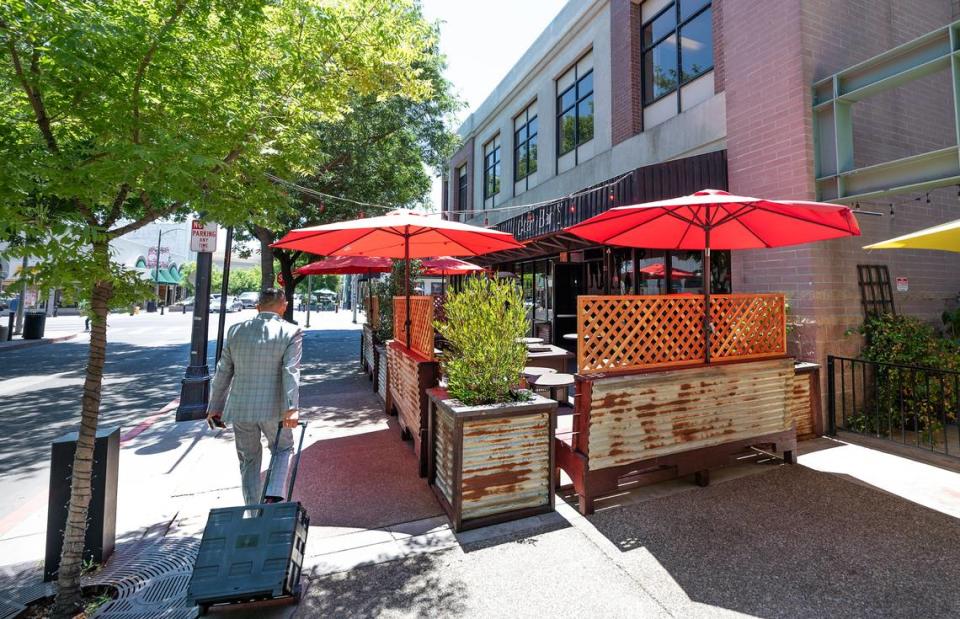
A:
x,y
246,434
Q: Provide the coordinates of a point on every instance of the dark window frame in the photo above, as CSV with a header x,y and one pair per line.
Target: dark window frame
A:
x,y
578,98
518,144
490,168
463,187
678,26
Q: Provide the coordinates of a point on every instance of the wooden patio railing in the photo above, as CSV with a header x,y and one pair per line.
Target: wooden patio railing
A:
x,y
421,324
636,332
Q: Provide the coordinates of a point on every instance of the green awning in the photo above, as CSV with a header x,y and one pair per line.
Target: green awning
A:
x,y
163,277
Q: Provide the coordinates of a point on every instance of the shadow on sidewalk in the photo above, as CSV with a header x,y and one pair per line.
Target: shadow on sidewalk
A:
x,y
799,543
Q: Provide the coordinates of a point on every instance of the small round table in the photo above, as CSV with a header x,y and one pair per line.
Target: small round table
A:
x,y
532,372
530,340
555,382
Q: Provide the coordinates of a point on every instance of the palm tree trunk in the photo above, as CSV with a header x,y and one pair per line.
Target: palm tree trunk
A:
x,y
68,591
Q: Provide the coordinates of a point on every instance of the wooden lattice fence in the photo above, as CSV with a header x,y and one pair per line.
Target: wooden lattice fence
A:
x,y
421,324
630,332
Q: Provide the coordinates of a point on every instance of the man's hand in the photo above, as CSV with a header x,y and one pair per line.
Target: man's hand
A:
x,y
214,420
291,418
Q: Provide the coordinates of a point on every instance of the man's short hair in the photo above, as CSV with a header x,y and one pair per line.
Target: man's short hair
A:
x,y
270,297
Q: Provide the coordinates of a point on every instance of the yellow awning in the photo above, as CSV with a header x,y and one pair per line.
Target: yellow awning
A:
x,y
945,237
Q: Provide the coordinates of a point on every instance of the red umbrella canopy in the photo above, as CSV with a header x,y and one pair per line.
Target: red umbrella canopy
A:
x,y
398,234
445,265
346,265
734,222
658,270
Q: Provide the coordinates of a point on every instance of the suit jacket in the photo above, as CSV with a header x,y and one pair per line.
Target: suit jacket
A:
x,y
258,377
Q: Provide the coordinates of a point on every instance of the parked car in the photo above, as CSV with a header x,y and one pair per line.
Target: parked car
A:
x,y
6,302
186,302
232,304
249,299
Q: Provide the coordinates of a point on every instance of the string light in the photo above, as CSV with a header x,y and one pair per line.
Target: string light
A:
x,y
891,209
928,198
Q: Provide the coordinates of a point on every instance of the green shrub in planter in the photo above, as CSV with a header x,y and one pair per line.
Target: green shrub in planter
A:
x,y
483,327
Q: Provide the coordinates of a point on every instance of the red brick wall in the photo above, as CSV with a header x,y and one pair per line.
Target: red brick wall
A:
x,y
772,51
626,109
718,60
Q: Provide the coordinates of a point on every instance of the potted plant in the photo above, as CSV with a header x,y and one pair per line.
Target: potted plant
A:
x,y
491,455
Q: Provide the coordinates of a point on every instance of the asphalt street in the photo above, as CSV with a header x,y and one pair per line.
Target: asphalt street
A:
x,y
41,387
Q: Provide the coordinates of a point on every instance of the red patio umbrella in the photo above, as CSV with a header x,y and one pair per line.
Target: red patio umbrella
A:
x,y
398,234
658,270
446,265
346,265
714,219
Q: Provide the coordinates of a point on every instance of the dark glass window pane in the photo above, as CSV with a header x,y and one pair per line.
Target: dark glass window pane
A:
x,y
532,158
660,70
689,7
660,27
585,85
520,161
520,135
532,126
567,98
585,120
496,154
567,131
696,45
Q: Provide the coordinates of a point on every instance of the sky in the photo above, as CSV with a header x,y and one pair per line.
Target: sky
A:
x,y
482,40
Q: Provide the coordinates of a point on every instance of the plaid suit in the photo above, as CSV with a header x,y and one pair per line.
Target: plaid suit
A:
x,y
257,381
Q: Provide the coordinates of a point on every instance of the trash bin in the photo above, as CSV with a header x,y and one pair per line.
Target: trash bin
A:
x,y
34,324
102,512
151,306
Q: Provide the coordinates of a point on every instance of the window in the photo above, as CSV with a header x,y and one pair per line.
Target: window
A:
x,y
462,187
575,110
667,65
491,168
525,145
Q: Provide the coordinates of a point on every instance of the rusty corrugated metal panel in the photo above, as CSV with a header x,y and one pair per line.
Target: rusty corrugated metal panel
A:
x,y
404,386
368,346
642,416
800,405
506,464
444,445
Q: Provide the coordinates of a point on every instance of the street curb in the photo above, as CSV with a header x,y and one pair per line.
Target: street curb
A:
x,y
17,345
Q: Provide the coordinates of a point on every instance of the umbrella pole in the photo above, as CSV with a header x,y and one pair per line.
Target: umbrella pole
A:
x,y
406,283
707,325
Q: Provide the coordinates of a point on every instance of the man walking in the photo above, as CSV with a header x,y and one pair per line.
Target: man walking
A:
x,y
256,386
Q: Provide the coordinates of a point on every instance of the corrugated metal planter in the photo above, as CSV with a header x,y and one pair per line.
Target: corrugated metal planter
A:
x,y
367,361
380,379
493,463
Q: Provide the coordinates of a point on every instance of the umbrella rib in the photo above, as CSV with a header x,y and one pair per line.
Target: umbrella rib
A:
x,y
666,212
460,243
362,236
735,214
750,230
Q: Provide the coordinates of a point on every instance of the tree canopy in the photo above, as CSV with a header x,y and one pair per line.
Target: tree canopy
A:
x,y
118,112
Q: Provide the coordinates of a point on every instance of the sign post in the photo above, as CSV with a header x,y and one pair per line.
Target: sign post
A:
x,y
195,387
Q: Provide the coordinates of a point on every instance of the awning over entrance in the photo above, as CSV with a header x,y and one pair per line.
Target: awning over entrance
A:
x,y
542,227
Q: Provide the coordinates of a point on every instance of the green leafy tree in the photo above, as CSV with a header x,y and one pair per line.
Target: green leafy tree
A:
x,y
386,289
380,152
116,113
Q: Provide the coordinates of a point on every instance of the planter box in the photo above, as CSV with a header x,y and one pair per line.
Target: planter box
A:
x,y
380,372
408,380
493,463
366,352
804,400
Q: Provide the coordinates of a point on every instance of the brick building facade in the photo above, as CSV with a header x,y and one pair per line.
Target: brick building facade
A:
x,y
755,101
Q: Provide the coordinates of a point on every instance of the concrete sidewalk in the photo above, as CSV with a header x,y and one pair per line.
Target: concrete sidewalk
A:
x,y
832,536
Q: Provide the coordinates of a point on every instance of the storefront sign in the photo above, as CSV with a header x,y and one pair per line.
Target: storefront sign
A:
x,y
203,237
902,284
